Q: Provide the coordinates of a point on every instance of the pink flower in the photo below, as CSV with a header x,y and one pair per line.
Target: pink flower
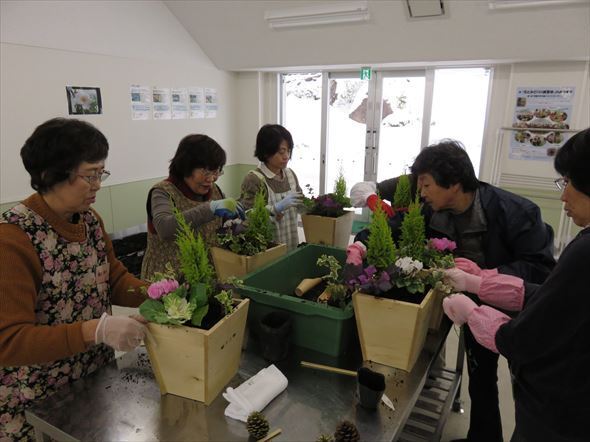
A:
x,y
442,244
161,288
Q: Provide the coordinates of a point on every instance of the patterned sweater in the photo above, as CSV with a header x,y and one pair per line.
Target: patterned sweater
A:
x,y
21,342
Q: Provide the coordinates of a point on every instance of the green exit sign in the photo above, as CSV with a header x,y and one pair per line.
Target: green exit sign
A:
x,y
365,73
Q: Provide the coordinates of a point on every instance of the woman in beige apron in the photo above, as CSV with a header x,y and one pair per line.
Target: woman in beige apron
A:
x,y
191,188
274,146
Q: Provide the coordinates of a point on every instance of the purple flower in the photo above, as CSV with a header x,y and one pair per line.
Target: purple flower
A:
x,y
384,277
370,271
161,288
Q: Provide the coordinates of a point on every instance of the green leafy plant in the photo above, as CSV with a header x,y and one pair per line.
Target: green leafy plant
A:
x,y
381,251
403,193
330,204
413,233
177,303
252,236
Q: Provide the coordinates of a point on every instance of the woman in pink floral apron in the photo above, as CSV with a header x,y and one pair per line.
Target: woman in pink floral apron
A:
x,y
59,275
274,146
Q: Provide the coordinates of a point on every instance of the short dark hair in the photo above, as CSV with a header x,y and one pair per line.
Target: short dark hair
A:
x,y
196,151
573,161
57,147
269,139
448,163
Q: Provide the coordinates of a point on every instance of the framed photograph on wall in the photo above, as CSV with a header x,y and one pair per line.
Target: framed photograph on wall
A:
x,y
84,100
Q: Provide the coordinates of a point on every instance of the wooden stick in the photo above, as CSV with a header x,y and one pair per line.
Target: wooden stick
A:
x,y
270,436
328,368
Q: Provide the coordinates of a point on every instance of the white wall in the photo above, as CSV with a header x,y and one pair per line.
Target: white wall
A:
x,y
46,46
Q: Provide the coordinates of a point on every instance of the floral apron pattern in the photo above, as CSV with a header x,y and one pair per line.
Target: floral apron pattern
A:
x,y
74,288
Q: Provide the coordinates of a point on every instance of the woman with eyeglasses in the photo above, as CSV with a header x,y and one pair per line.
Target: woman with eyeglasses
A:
x,y
274,146
59,275
547,344
191,188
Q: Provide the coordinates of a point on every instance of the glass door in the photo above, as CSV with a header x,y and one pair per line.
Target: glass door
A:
x,y
399,125
372,130
348,110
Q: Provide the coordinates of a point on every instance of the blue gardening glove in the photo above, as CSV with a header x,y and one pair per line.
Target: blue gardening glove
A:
x,y
227,208
292,199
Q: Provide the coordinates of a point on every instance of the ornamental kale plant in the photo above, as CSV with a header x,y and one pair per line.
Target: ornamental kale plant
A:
x,y
184,301
330,204
251,236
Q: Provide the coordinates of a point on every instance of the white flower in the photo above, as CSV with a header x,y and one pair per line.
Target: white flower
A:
x,y
84,99
408,265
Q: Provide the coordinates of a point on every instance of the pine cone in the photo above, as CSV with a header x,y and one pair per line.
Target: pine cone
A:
x,y
325,438
257,425
346,432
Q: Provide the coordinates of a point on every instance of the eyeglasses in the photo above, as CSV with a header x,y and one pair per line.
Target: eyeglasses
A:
x,y
561,183
99,176
210,173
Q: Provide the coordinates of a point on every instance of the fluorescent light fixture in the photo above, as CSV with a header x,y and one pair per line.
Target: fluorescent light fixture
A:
x,y
515,4
321,14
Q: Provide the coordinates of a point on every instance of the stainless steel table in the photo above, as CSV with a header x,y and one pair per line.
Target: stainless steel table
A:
x,y
122,402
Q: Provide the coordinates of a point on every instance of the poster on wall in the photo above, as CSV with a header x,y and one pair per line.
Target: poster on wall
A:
x,y
141,102
84,100
196,102
179,104
210,103
541,114
161,103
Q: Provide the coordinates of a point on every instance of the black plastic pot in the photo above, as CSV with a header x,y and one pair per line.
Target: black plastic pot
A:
x,y
371,386
274,331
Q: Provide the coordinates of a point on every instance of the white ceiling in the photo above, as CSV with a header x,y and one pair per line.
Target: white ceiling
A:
x,y
235,36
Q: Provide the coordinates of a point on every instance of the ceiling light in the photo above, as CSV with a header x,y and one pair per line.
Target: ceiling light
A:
x,y
322,14
514,4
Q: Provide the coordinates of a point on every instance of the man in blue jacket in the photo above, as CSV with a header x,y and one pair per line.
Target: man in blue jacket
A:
x,y
492,227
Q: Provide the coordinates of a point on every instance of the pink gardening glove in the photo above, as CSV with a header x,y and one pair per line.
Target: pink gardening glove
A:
x,y
463,281
458,308
497,289
503,291
484,323
470,267
355,253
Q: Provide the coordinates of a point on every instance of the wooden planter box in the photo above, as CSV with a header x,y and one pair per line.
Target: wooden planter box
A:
x,y
392,332
437,311
328,231
228,263
195,363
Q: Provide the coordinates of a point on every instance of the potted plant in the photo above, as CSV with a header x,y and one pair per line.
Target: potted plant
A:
x,y
246,245
395,291
326,221
196,327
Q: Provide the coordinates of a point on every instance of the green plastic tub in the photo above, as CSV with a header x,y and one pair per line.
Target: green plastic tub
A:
x,y
316,326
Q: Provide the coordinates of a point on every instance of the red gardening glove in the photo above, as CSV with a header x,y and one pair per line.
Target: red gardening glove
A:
x,y
372,204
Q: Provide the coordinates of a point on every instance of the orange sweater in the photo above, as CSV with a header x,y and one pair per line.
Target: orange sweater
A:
x,y
22,341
